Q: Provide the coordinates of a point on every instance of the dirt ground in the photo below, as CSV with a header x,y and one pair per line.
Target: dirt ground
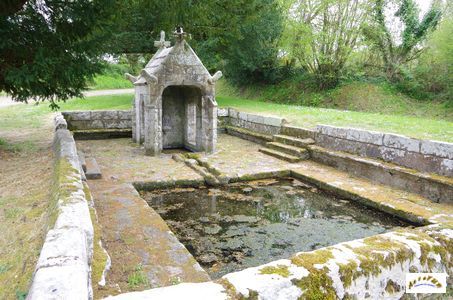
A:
x,y
25,178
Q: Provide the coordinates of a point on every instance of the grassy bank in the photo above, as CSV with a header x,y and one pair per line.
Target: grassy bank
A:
x,y
373,97
309,117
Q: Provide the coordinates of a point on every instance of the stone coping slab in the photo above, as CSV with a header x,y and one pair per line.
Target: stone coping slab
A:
x,y
372,267
64,265
409,206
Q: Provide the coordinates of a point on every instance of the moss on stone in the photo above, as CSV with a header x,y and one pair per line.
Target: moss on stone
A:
x,y
392,287
309,259
347,272
99,256
317,285
279,270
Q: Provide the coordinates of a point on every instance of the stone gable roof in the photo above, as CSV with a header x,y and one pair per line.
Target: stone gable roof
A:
x,y
179,61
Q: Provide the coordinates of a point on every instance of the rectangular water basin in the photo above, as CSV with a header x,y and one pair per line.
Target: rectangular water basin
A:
x,y
248,224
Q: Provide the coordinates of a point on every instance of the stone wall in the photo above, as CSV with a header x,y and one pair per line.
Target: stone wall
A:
x,y
64,265
426,156
422,155
97,120
257,123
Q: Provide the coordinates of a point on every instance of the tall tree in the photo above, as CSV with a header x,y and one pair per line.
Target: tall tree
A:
x,y
321,34
49,48
396,50
241,34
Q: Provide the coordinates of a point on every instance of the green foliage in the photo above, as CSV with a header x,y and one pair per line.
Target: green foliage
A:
x,y
21,295
433,74
253,57
137,278
112,77
48,49
236,35
321,34
395,56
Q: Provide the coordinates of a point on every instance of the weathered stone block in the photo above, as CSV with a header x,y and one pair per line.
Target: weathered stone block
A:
x,y
332,131
125,114
104,115
75,215
401,142
96,124
272,121
255,118
60,122
364,136
79,115
242,116
446,167
233,113
339,144
298,132
391,154
441,149
64,247
63,282
222,112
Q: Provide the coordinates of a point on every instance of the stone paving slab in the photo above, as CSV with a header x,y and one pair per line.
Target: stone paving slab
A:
x,y
133,234
124,161
237,158
136,236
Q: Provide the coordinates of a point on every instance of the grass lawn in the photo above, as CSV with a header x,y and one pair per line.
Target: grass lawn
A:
x,y
308,117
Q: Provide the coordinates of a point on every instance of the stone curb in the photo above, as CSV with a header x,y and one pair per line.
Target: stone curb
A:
x,y
63,270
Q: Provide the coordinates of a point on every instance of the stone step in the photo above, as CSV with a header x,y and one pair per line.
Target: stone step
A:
x,y
293,141
280,155
249,135
302,133
288,149
92,169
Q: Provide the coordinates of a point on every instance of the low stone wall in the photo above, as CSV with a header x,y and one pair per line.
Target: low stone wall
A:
x,y
373,267
422,155
262,124
426,156
91,120
64,266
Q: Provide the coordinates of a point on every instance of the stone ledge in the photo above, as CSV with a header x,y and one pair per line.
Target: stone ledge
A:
x,y
435,148
372,267
63,268
64,247
426,156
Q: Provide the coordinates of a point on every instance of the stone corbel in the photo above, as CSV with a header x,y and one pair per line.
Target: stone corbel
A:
x,y
216,77
211,100
149,77
130,77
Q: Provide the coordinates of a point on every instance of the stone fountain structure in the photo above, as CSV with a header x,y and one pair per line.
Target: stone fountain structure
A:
x,y
174,105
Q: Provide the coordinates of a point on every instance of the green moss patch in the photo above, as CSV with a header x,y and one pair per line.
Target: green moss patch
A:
x,y
279,270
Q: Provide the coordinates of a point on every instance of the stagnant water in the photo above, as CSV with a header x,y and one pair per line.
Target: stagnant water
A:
x,y
249,224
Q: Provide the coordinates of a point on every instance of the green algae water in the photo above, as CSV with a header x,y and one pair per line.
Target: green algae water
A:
x,y
248,224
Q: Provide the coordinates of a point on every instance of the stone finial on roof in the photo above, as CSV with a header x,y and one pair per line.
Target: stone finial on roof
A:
x,y
162,43
179,33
